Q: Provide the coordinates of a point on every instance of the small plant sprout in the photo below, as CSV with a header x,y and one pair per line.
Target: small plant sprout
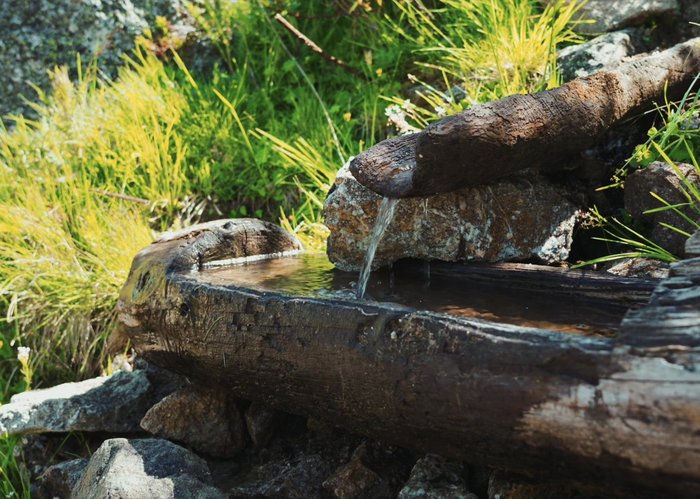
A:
x,y
23,354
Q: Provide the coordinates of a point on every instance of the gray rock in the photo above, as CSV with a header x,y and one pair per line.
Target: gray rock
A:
x,y
145,468
109,403
261,422
297,478
611,15
203,419
602,52
164,382
639,267
60,479
433,477
356,480
660,178
38,35
510,220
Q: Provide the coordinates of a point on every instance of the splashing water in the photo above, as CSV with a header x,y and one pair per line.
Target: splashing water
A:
x,y
386,213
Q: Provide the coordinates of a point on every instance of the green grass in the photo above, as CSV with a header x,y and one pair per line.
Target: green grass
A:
x,y
14,479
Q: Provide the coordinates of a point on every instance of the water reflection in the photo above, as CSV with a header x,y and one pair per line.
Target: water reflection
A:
x,y
312,275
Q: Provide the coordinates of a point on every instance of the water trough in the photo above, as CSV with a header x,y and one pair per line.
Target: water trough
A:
x,y
607,390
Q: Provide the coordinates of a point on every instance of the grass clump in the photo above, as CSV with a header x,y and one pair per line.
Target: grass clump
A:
x,y
493,48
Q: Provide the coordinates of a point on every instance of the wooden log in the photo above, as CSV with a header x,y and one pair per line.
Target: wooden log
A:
x,y
542,130
558,281
612,410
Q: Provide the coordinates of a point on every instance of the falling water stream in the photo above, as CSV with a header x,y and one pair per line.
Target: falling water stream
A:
x,y
386,213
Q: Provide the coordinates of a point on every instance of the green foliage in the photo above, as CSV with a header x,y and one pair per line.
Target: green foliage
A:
x,y
622,234
678,136
676,140
493,48
14,479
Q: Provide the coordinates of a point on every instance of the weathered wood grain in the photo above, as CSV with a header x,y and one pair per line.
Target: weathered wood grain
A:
x,y
615,410
519,132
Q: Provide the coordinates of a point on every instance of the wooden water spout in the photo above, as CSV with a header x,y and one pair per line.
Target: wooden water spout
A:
x,y
622,410
543,130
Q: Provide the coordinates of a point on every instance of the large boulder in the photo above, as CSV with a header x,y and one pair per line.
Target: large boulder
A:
x,y
38,35
610,15
516,219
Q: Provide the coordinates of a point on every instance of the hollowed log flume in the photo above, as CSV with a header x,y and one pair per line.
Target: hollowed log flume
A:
x,y
543,130
623,410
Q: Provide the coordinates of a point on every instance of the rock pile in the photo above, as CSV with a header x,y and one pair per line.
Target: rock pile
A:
x,y
201,442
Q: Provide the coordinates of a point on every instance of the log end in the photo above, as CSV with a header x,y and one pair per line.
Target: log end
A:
x,y
190,250
387,168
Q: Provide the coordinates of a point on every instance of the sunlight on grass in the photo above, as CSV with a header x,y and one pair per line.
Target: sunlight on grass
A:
x,y
493,47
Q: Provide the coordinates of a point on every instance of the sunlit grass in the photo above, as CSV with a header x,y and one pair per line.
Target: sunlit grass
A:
x,y
493,48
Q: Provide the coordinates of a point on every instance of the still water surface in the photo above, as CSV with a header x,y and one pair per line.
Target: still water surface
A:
x,y
313,275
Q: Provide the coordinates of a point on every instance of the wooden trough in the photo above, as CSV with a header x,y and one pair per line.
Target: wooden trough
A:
x,y
623,410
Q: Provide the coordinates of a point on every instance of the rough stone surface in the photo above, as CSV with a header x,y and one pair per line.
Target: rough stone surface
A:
x,y
38,35
515,219
300,477
660,179
639,267
203,419
371,472
602,52
109,403
60,479
354,480
145,468
433,477
261,422
164,382
610,15
506,485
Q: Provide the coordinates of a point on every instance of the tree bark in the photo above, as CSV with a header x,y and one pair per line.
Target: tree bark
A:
x,y
623,410
542,130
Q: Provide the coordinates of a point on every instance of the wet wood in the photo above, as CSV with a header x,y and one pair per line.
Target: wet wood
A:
x,y
610,410
557,281
519,132
672,316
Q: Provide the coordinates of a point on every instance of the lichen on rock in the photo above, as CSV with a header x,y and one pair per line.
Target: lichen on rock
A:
x,y
42,34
